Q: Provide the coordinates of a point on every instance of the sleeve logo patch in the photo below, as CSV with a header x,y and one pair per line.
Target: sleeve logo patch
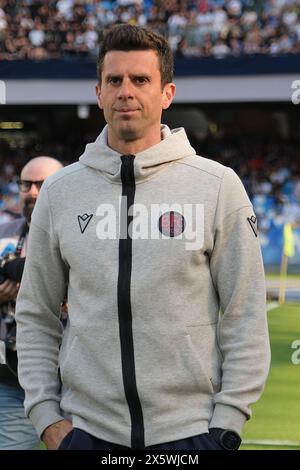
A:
x,y
253,224
84,221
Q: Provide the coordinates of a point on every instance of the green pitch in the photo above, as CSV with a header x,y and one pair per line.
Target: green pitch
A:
x,y
276,416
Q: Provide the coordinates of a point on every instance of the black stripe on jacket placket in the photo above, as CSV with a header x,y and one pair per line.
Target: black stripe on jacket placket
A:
x,y
124,305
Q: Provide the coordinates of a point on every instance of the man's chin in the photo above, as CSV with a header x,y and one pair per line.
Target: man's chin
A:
x,y
129,132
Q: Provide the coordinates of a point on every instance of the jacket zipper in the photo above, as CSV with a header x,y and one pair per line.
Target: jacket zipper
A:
x,y
124,305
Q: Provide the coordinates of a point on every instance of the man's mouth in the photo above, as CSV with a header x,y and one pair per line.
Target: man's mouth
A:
x,y
126,110
28,208
30,202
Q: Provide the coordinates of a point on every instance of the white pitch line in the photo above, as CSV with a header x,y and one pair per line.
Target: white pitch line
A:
x,y
272,306
267,442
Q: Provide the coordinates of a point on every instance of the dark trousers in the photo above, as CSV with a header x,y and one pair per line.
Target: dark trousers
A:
x,y
81,440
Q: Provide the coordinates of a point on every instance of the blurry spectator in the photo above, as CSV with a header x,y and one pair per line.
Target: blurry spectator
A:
x,y
38,53
64,8
16,431
234,8
37,35
221,49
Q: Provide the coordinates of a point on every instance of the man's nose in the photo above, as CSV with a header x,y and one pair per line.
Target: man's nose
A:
x,y
125,90
34,190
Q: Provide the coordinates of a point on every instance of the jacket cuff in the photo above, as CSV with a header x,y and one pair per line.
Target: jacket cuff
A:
x,y
228,417
44,414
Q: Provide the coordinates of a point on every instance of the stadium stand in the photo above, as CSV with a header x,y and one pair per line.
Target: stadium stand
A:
x,y
32,29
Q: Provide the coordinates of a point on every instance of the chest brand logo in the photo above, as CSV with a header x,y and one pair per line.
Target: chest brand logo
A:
x,y
253,224
84,221
171,224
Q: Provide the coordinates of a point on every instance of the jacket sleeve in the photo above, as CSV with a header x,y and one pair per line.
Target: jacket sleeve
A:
x,y
238,275
39,330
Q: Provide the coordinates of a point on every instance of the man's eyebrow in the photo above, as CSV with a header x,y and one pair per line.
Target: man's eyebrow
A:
x,y
132,75
112,75
139,75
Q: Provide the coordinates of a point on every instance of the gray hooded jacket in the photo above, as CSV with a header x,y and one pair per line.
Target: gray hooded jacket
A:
x,y
167,331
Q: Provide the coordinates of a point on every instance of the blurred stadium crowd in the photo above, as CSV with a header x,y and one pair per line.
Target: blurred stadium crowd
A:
x,y
38,30
270,171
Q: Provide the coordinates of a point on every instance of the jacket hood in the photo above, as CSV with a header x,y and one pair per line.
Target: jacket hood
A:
x,y
173,146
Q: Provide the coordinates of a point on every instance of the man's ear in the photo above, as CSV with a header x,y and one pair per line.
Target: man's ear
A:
x,y
168,95
98,94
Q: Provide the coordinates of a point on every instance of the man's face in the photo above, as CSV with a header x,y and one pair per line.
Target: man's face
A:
x,y
35,172
132,97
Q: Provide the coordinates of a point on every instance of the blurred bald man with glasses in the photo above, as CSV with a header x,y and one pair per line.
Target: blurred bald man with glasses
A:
x,y
16,431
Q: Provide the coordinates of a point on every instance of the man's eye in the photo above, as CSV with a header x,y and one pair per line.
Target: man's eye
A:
x,y
114,80
140,80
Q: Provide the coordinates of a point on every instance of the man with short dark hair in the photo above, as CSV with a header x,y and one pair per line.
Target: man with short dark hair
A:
x,y
166,344
16,431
